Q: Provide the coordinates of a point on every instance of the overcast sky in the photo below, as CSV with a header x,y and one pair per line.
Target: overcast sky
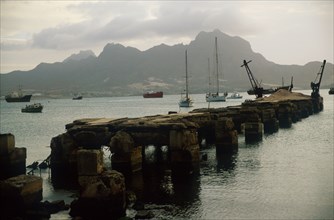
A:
x,y
285,32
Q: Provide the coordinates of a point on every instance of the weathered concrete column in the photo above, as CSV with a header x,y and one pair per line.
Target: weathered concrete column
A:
x,y
285,114
18,194
253,131
184,150
318,104
304,106
237,119
102,196
127,157
270,122
63,161
90,162
12,159
253,125
295,113
226,136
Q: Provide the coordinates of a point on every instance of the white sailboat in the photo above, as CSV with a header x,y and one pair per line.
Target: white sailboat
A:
x,y
215,97
186,100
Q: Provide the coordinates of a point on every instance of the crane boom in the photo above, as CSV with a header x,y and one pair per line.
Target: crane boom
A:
x,y
316,85
258,90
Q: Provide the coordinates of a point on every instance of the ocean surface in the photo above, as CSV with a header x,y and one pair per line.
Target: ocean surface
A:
x,y
288,175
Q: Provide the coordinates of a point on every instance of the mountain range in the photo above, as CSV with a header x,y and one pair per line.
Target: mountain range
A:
x,y
123,71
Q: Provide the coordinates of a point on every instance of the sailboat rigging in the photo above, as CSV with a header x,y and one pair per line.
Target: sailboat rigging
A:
x,y
215,97
186,100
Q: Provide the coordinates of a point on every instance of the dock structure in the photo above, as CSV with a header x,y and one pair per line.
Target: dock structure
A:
x,y
181,133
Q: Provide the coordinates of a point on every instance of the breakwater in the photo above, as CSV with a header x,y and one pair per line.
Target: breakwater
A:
x,y
182,134
202,134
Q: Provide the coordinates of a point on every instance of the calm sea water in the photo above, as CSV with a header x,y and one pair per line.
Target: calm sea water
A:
x,y
288,175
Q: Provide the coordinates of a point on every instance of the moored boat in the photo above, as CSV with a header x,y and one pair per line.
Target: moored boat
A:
x,y
216,97
235,95
331,91
153,94
33,108
17,96
186,100
77,97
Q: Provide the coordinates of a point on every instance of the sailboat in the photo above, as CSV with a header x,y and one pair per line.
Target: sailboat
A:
x,y
215,97
186,100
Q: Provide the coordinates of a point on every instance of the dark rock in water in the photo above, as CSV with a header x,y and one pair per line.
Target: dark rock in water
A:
x,y
205,157
54,206
131,198
102,208
19,196
144,214
103,198
139,206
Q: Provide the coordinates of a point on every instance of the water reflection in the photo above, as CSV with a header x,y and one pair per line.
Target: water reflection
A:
x,y
159,189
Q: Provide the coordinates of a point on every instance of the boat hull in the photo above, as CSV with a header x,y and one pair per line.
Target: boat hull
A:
x,y
35,108
77,98
331,91
25,98
153,95
39,110
268,91
234,95
186,103
215,98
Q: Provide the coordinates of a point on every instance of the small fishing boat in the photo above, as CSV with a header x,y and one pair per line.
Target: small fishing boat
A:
x,y
77,97
331,91
153,94
235,95
33,108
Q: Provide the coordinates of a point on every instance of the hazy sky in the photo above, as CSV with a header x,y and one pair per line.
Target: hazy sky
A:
x,y
285,32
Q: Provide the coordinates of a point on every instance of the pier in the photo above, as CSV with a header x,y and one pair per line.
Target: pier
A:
x,y
181,133
77,159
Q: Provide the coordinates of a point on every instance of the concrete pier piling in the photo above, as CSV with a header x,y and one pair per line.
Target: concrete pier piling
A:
x,y
226,140
181,134
19,195
285,114
12,159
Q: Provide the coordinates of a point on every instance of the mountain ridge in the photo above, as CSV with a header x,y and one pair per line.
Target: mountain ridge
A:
x,y
120,70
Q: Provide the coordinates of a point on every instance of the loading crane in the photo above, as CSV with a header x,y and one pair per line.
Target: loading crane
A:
x,y
291,84
256,86
315,85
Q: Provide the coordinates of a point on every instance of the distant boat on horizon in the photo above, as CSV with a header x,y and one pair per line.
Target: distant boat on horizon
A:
x,y
17,96
153,94
77,97
235,95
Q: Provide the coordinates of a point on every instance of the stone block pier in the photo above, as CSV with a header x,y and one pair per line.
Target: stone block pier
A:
x,y
182,134
77,159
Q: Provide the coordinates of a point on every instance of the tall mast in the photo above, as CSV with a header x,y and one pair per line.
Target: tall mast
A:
x,y
216,46
209,71
186,76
